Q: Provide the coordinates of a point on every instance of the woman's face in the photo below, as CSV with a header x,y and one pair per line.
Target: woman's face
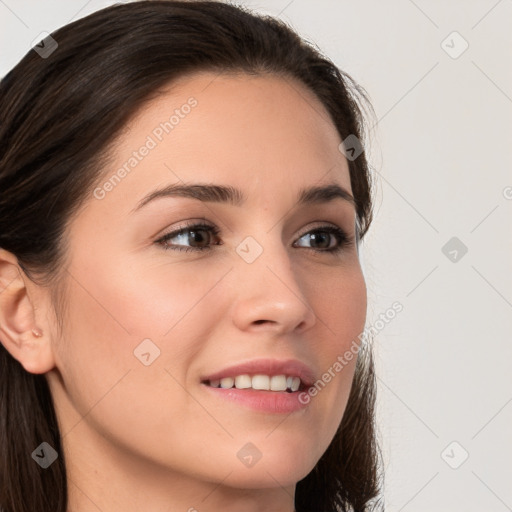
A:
x,y
151,323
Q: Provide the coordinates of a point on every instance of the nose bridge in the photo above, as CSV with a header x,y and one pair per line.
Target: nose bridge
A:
x,y
269,289
266,256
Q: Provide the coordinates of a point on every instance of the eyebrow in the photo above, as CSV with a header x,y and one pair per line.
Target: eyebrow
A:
x,y
207,192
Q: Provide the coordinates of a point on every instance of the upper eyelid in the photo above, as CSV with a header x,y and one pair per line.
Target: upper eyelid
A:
x,y
205,223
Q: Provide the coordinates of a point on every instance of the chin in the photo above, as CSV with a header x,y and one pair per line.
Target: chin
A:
x,y
268,476
279,464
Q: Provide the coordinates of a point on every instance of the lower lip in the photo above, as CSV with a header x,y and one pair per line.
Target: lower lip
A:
x,y
278,402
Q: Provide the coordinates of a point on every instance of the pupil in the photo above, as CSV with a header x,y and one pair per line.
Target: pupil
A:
x,y
317,237
196,237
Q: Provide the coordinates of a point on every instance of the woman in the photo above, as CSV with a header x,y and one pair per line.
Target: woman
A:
x,y
183,193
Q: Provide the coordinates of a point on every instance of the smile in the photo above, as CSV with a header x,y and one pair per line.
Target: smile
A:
x,y
259,382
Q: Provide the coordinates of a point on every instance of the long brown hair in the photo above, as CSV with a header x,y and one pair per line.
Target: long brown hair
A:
x,y
58,117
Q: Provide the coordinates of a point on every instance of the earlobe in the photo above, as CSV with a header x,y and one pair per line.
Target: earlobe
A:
x,y
19,332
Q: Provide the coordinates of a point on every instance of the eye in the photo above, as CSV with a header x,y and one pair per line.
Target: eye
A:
x,y
196,233
331,239
328,238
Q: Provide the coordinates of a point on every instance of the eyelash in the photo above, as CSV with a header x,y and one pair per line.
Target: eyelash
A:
x,y
344,240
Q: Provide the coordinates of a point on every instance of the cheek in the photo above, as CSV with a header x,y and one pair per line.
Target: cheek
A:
x,y
109,385
158,300
124,307
341,316
339,300
114,311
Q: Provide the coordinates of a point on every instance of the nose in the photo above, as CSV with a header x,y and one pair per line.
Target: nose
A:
x,y
269,294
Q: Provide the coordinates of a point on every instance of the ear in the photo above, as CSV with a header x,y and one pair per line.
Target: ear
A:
x,y
18,318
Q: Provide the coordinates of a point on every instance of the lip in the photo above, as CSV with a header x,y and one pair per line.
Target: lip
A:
x,y
269,402
288,367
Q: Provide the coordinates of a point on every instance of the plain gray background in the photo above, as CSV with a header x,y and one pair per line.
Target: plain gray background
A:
x,y
442,157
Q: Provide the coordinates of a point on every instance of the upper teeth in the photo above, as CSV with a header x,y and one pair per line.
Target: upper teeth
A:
x,y
266,382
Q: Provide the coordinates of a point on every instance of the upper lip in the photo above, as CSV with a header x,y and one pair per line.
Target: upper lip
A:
x,y
288,367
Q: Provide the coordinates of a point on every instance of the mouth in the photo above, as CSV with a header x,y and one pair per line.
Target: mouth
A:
x,y
264,385
263,374
260,382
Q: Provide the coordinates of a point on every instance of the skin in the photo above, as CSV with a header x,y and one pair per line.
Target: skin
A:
x,y
150,438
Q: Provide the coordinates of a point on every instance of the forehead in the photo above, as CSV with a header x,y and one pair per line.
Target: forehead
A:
x,y
265,134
